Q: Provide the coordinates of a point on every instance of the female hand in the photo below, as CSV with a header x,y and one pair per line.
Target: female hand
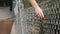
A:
x,y
39,13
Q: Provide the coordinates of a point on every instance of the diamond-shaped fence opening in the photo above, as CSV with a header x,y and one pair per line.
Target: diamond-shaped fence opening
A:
x,y
51,23
30,24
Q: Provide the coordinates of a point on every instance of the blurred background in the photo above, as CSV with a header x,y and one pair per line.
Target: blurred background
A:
x,y
28,23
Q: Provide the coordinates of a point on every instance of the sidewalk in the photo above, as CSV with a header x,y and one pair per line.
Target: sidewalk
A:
x,y
13,30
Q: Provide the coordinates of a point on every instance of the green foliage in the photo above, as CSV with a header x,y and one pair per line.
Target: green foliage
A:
x,y
27,5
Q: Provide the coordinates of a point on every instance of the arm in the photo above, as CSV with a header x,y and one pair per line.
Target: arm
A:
x,y
38,10
33,3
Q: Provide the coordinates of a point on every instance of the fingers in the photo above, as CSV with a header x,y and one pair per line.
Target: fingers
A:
x,y
41,17
39,13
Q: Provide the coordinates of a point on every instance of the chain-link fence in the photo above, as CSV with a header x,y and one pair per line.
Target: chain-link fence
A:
x,y
51,23
30,24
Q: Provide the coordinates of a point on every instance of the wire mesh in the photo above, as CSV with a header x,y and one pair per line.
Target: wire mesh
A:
x,y
28,23
52,12
51,23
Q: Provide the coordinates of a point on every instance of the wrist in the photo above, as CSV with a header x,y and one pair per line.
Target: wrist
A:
x,y
37,7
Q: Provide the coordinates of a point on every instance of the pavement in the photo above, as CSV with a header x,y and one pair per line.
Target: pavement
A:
x,y
13,29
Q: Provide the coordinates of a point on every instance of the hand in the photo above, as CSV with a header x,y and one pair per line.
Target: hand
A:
x,y
39,13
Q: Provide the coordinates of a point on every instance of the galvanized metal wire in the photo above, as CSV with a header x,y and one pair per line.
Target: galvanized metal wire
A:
x,y
28,23
51,23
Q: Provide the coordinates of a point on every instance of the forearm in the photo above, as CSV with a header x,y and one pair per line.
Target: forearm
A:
x,y
38,10
33,3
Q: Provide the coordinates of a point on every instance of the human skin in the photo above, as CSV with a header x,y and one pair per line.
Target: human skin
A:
x,y
6,25
38,10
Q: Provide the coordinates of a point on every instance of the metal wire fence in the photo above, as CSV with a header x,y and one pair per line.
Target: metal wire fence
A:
x,y
30,24
51,23
52,17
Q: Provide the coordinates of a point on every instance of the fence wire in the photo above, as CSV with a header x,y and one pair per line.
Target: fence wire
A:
x,y
31,23
51,23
